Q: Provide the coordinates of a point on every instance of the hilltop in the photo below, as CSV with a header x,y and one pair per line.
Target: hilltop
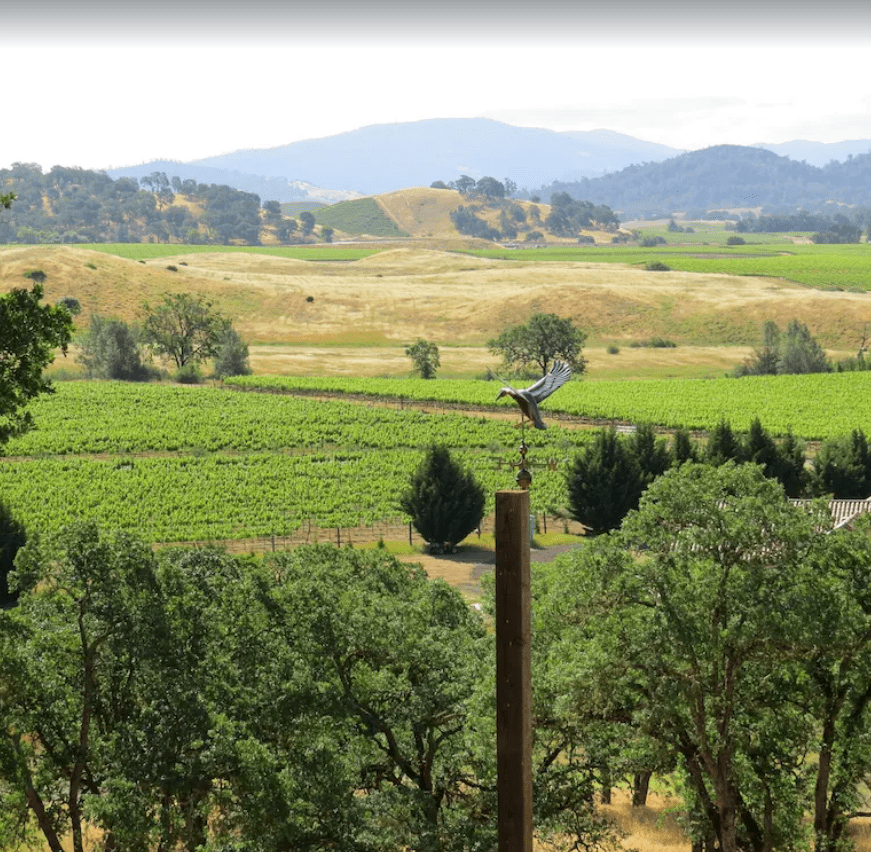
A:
x,y
427,213
726,177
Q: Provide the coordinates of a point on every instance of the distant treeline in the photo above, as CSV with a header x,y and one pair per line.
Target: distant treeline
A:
x,y
73,205
725,176
836,228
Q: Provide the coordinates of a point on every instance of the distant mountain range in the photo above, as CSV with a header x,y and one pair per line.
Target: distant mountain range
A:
x,y
387,157
728,177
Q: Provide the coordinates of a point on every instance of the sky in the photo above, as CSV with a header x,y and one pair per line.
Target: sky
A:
x,y
106,84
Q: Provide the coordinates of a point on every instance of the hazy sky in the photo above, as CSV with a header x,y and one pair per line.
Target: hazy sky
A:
x,y
101,84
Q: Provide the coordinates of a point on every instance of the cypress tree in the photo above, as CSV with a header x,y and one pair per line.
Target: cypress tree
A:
x,y
604,483
445,503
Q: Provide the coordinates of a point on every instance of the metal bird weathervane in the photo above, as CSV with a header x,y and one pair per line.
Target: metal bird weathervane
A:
x,y
527,400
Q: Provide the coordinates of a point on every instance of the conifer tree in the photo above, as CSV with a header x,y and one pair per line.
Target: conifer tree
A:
x,y
604,483
445,502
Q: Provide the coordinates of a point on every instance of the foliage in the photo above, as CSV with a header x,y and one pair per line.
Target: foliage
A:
x,y
231,359
609,475
650,451
489,187
29,334
695,644
842,467
605,481
784,462
725,176
567,216
71,304
466,222
723,445
544,339
840,231
800,352
794,351
182,700
110,350
72,205
654,343
72,653
425,356
389,663
188,375
12,538
184,327
308,223
444,502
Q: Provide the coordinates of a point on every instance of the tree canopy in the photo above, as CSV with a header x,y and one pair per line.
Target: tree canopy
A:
x,y
424,355
725,626
185,327
30,333
544,339
794,350
110,350
184,699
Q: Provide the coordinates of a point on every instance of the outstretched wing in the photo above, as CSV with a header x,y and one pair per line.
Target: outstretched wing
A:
x,y
494,376
546,385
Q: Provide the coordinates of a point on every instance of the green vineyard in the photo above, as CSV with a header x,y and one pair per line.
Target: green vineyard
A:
x,y
815,406
175,463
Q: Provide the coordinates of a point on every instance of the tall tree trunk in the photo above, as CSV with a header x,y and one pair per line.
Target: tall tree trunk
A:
x,y
606,785
821,789
640,788
34,800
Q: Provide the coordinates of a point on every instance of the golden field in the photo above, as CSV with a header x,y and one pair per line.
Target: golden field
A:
x,y
356,317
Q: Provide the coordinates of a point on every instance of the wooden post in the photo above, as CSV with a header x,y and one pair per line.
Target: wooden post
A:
x,y
513,675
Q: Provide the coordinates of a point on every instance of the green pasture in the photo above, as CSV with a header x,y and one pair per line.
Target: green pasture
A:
x,y
825,267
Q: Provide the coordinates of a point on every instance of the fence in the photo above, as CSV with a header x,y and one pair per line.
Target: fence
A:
x,y
390,529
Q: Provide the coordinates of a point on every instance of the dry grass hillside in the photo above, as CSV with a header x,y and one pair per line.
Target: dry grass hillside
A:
x,y
388,300
426,213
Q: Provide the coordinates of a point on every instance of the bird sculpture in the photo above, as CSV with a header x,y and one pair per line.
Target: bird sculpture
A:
x,y
529,398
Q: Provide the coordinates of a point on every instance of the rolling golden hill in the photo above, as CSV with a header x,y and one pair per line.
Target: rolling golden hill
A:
x,y
403,293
